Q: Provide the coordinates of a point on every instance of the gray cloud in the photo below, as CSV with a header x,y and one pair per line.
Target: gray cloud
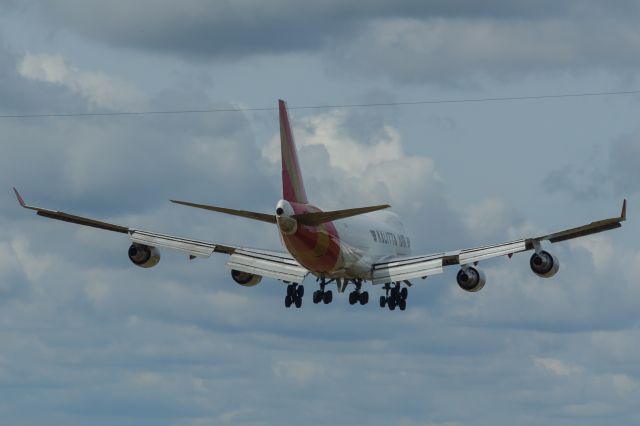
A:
x,y
412,41
611,170
462,51
87,337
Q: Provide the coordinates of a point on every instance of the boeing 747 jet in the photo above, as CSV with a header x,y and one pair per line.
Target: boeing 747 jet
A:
x,y
346,248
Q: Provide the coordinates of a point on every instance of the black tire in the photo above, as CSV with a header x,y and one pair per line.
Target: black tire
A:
x,y
290,290
353,298
364,298
404,293
383,301
402,304
298,302
392,303
288,300
327,297
300,291
394,293
317,296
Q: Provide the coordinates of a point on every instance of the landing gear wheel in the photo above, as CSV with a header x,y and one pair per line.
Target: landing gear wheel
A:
x,y
300,291
402,304
327,297
394,293
383,301
353,298
288,300
364,298
291,290
392,303
404,293
298,302
317,296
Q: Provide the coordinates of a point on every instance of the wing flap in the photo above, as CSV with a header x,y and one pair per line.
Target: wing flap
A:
x,y
481,253
193,247
268,264
406,269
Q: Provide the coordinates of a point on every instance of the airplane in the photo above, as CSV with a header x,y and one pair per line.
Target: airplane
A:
x,y
349,247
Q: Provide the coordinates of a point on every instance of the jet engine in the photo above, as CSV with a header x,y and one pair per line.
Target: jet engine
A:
x,y
471,279
144,256
544,264
245,279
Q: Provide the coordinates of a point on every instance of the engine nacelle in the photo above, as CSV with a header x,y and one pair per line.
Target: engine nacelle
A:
x,y
471,279
544,264
245,279
144,256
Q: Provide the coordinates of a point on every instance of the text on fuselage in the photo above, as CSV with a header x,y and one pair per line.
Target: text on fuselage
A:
x,y
390,238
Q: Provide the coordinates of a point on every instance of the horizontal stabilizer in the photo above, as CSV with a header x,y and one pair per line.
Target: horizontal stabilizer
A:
x,y
317,218
263,217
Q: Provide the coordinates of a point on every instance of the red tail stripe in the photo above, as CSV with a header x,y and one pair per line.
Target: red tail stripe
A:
x,y
292,184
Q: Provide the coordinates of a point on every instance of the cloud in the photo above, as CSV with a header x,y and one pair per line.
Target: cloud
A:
x,y
608,170
409,41
99,89
89,337
300,372
458,51
345,168
556,366
487,218
589,409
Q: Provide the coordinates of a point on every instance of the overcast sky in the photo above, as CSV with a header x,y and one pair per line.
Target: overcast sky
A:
x,y
88,338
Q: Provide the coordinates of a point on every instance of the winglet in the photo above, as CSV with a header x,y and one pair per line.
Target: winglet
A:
x,y
623,214
20,199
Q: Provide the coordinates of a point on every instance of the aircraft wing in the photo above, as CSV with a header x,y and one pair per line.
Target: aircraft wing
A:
x,y
400,269
266,263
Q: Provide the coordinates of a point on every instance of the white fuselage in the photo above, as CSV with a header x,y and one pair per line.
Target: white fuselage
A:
x,y
369,239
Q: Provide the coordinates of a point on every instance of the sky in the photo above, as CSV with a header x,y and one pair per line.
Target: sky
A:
x,y
88,338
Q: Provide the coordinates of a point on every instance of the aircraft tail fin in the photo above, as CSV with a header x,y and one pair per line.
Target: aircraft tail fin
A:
x,y
292,184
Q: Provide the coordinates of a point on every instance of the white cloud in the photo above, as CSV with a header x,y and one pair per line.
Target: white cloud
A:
x,y
487,218
96,87
299,371
623,383
375,169
599,247
556,367
589,409
34,266
351,157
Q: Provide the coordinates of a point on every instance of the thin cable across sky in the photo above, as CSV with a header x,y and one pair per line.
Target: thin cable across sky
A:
x,y
330,106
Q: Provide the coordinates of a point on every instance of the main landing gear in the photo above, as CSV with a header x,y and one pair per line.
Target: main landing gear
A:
x,y
294,295
322,295
357,295
395,293
394,296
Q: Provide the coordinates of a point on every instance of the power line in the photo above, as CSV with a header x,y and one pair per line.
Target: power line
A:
x,y
335,106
